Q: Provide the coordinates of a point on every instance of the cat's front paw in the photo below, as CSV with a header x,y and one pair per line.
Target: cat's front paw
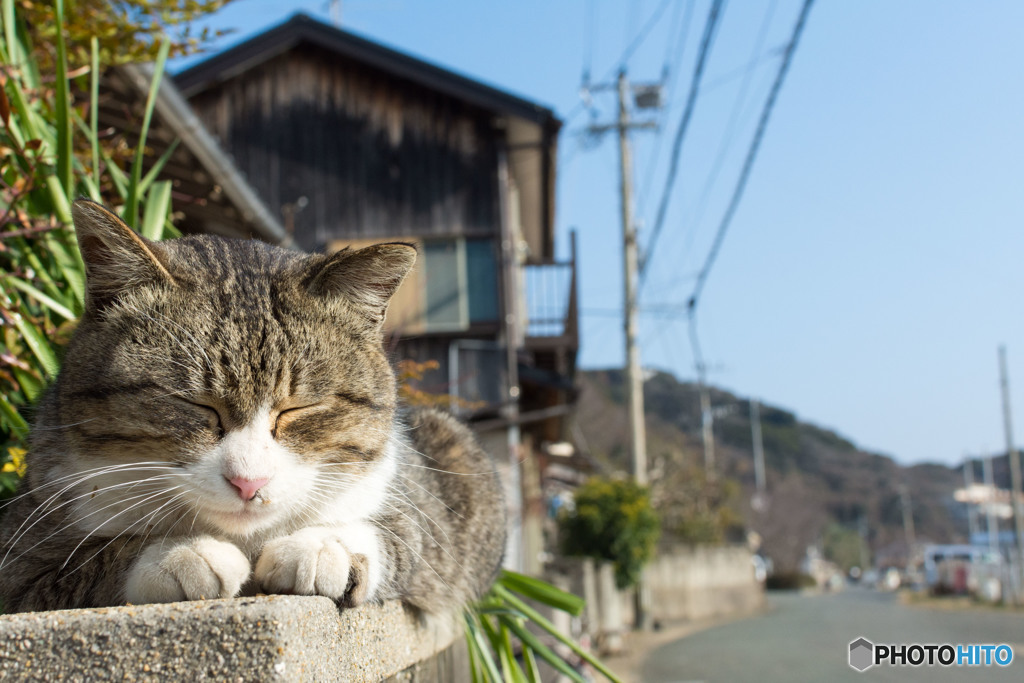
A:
x,y
195,569
342,563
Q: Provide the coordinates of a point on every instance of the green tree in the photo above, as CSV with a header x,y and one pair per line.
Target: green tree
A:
x,y
126,31
612,520
696,509
842,545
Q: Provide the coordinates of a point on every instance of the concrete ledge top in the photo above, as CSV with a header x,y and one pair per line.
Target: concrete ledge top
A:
x,y
262,638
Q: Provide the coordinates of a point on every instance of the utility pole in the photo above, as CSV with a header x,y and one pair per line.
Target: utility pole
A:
x,y
862,530
707,425
707,416
991,523
908,524
634,371
1014,456
972,511
755,437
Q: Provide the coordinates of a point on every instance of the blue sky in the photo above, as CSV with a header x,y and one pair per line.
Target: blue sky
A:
x,y
873,267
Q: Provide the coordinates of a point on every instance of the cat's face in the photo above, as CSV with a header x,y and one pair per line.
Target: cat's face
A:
x,y
225,383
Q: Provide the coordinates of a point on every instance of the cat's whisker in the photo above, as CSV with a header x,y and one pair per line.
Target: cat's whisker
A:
x,y
183,502
411,480
107,521
55,428
490,473
428,534
63,528
45,505
418,556
126,530
45,509
80,473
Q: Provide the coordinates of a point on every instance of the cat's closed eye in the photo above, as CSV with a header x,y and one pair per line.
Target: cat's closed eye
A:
x,y
211,415
288,415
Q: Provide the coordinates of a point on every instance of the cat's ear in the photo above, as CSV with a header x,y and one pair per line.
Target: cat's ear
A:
x,y
116,258
366,278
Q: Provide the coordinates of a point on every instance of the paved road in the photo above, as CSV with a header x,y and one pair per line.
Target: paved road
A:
x,y
806,638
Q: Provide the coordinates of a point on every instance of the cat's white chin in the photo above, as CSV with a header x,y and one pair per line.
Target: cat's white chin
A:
x,y
247,521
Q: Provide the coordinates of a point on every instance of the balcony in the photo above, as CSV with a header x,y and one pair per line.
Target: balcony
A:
x,y
552,314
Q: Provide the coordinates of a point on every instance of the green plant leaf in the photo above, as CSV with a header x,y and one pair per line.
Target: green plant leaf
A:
x,y
158,204
13,419
94,114
479,645
69,262
542,591
30,385
154,172
35,340
533,644
10,34
537,618
55,306
63,108
131,207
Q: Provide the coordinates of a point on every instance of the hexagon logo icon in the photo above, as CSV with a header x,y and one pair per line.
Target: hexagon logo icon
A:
x,y
862,653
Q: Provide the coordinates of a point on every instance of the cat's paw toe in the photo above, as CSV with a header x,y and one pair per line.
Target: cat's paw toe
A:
x,y
315,561
196,569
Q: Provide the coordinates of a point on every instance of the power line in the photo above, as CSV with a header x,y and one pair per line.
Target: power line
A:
x,y
707,416
748,163
677,146
670,78
589,27
670,44
731,127
626,55
641,36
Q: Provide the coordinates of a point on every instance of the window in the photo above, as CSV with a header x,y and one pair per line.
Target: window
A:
x,y
453,286
461,283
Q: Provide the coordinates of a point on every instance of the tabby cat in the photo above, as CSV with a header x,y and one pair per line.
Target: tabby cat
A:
x,y
226,423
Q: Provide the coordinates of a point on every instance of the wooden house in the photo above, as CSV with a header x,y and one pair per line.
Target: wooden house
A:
x,y
347,142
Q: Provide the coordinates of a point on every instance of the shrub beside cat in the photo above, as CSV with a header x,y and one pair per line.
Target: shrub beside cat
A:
x,y
225,422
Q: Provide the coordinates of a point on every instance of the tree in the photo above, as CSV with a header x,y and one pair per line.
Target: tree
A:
x,y
612,520
126,31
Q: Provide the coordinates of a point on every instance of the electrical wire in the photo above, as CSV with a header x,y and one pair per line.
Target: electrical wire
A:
x,y
731,127
748,163
627,54
670,81
710,26
589,28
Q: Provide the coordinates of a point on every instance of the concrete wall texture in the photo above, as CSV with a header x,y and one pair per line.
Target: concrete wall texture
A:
x,y
700,582
267,638
684,584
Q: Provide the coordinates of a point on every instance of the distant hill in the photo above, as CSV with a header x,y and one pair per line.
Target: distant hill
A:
x,y
816,479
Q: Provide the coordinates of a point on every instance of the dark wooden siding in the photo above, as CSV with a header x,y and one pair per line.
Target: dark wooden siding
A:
x,y
374,156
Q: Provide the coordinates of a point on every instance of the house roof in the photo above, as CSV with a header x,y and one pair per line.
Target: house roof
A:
x,y
303,29
208,189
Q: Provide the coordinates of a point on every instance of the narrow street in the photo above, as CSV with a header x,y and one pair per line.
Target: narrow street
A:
x,y
806,638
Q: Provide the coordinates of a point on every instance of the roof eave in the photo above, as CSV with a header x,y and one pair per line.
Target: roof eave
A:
x,y
302,28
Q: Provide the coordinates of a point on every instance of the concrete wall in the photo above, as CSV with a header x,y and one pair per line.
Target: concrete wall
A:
x,y
685,584
267,638
701,582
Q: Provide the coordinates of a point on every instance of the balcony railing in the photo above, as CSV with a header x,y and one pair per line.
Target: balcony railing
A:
x,y
551,306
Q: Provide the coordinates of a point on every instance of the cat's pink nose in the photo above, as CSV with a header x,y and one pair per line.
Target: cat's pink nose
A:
x,y
247,488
